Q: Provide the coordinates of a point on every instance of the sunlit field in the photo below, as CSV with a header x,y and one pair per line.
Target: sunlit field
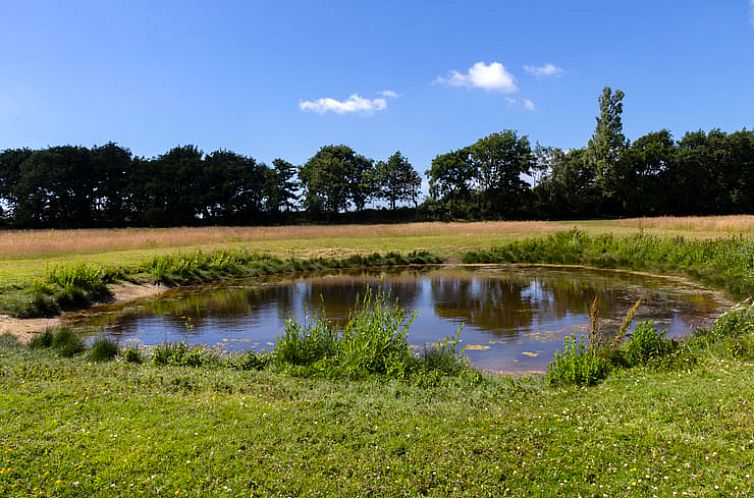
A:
x,y
25,254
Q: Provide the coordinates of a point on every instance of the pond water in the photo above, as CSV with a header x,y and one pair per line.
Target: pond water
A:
x,y
514,318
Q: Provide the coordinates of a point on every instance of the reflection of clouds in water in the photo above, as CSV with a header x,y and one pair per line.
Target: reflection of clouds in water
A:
x,y
511,311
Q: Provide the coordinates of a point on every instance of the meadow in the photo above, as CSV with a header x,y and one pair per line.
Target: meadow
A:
x,y
169,423
26,254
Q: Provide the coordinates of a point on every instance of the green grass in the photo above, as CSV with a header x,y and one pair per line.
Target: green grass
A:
x,y
72,427
197,423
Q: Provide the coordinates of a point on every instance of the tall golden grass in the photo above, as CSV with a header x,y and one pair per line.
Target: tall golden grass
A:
x,y
731,224
18,244
31,244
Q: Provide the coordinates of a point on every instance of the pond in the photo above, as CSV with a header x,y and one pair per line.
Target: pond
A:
x,y
513,318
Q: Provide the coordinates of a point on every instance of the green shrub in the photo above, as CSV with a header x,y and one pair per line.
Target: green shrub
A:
x,y
252,361
373,343
646,344
103,349
375,339
301,345
577,365
87,281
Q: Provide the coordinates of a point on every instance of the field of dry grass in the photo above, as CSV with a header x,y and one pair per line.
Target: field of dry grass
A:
x,y
25,254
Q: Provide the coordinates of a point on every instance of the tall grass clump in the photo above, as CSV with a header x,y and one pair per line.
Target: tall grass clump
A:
x,y
307,345
103,349
181,354
68,287
646,344
199,266
586,363
446,356
577,364
373,343
375,339
63,341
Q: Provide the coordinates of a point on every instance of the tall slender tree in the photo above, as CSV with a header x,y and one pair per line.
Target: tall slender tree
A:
x,y
608,144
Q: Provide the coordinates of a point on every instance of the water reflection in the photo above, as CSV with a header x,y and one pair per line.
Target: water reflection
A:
x,y
515,317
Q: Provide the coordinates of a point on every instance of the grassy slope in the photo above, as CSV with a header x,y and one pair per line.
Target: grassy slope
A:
x,y
72,428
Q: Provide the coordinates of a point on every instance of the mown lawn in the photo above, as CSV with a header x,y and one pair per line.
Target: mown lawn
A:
x,y
73,428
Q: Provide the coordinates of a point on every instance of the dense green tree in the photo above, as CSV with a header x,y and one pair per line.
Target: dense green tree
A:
x,y
169,187
334,179
111,167
499,162
643,168
569,189
450,183
10,173
280,186
233,188
396,180
55,188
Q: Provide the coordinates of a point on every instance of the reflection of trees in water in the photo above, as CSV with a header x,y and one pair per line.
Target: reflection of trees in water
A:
x,y
504,303
340,295
507,304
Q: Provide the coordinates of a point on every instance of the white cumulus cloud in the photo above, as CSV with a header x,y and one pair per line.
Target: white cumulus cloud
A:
x,y
388,93
491,77
544,71
528,105
353,104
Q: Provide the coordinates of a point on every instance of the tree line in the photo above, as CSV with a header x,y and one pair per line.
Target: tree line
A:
x,y
70,186
501,176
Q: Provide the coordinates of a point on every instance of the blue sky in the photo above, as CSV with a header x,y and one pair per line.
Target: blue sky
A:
x,y
238,74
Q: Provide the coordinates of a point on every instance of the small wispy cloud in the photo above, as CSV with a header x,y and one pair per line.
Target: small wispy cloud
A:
x,y
521,105
353,104
751,12
493,77
545,70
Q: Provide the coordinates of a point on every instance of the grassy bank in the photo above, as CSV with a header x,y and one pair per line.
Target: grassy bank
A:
x,y
76,427
723,263
26,255
72,286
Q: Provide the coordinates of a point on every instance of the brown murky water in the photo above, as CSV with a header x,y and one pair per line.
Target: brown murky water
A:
x,y
513,319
